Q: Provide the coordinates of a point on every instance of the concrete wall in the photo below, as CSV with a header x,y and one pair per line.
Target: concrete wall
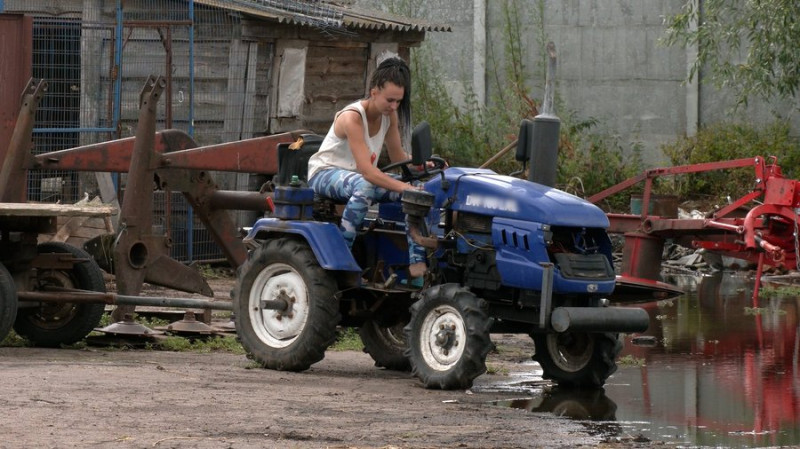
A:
x,y
611,66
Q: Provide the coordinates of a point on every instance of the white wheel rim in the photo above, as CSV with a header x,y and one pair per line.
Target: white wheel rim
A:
x,y
443,338
275,328
574,357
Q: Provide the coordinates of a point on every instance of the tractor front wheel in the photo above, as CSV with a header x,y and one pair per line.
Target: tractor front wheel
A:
x,y
448,337
285,306
577,359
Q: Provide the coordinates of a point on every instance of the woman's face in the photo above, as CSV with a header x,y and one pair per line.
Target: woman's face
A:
x,y
387,98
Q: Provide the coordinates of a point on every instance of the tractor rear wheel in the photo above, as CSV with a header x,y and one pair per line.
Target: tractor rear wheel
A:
x,y
577,359
52,324
285,306
448,337
8,302
386,344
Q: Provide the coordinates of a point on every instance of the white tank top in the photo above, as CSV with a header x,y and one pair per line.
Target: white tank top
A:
x,y
334,152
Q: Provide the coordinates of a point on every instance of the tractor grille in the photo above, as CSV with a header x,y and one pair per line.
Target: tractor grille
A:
x,y
584,266
467,222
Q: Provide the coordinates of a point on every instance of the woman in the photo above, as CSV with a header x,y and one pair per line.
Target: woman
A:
x,y
345,167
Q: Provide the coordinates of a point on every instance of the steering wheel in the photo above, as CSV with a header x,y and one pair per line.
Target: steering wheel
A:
x,y
412,173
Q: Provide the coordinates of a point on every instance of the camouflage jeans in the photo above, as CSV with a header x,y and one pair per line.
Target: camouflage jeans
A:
x,y
349,186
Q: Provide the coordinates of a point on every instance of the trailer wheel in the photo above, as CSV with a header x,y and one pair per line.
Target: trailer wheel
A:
x,y
385,344
577,359
448,337
8,302
293,330
54,324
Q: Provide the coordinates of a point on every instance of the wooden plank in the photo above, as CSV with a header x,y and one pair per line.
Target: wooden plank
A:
x,y
53,210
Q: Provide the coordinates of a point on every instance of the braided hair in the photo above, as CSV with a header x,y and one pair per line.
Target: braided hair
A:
x,y
395,70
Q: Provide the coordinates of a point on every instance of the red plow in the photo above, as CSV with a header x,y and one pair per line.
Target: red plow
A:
x,y
760,227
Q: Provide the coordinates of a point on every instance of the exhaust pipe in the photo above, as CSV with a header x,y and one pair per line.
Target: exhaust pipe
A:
x,y
599,319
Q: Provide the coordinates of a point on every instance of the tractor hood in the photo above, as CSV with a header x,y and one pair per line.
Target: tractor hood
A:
x,y
485,192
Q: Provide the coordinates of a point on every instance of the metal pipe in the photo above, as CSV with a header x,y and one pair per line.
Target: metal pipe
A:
x,y
237,200
115,299
599,319
547,293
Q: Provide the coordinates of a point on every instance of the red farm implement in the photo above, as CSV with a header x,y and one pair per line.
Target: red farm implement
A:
x,y
766,234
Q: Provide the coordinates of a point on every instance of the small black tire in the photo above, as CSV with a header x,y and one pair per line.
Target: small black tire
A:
x,y
8,302
295,338
385,344
55,324
448,337
577,359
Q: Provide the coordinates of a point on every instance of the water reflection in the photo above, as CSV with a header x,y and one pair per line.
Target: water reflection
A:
x,y
589,405
714,369
723,371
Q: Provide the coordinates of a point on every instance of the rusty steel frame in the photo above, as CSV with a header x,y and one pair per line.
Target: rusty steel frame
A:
x,y
169,159
765,235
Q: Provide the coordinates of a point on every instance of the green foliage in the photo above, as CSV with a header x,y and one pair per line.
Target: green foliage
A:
x,y
727,141
750,46
496,370
631,361
779,291
13,340
347,340
469,134
588,163
213,344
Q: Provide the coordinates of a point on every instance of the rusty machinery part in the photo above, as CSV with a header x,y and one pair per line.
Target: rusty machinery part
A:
x,y
188,325
129,327
767,235
52,294
13,187
8,302
52,324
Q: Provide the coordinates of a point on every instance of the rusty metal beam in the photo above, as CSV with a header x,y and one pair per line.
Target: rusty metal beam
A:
x,y
175,150
13,173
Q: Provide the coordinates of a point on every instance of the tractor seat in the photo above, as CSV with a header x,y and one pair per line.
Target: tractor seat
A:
x,y
293,159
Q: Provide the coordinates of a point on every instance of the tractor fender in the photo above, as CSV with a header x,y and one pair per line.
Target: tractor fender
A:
x,y
325,240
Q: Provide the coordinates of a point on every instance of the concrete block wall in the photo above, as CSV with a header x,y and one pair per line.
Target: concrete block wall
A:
x,y
611,65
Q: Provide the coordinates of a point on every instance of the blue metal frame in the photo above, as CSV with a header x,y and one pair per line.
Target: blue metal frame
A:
x,y
325,239
190,210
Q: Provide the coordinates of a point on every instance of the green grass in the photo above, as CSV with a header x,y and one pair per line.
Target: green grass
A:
x,y
205,345
631,361
496,369
13,340
347,340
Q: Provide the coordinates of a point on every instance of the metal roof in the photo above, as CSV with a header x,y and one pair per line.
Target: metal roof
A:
x,y
325,14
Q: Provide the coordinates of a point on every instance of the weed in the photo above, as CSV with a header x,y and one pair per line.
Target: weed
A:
x,y
769,291
347,340
630,360
496,369
213,344
756,311
13,340
727,141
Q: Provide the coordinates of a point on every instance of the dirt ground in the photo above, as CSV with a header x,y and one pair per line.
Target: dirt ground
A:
x,y
100,397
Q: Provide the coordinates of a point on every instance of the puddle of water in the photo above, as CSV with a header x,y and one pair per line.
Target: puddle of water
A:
x,y
716,370
723,371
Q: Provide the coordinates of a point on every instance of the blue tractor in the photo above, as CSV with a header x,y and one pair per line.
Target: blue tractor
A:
x,y
505,255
